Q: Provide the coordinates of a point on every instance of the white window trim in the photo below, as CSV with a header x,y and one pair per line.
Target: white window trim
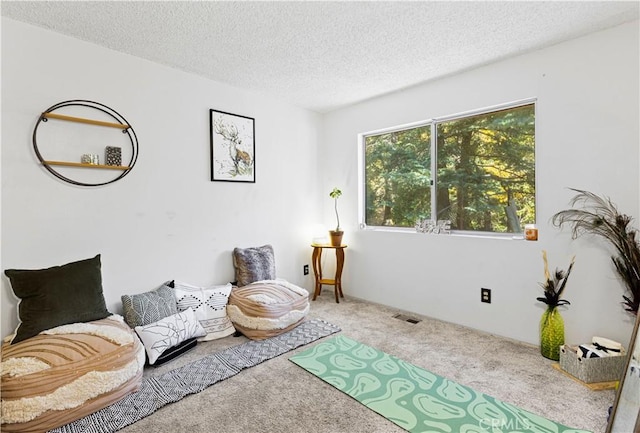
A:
x,y
463,233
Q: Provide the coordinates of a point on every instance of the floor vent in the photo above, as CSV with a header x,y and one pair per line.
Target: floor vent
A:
x,y
406,318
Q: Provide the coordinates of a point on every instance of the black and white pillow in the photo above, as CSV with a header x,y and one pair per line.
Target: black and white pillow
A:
x,y
209,305
169,332
254,264
145,308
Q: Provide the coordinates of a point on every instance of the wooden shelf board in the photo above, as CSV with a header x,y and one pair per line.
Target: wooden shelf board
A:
x,y
81,164
83,120
329,282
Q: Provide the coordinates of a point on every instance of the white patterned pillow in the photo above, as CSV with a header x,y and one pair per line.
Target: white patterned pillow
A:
x,y
210,306
169,332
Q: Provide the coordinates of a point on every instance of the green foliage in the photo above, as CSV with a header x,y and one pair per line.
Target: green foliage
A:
x,y
485,173
398,177
486,165
334,194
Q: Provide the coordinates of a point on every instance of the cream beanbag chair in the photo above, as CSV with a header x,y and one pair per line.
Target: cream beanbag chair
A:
x,y
267,308
68,372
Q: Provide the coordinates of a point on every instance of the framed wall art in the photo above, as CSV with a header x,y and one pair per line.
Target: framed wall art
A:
x,y
232,147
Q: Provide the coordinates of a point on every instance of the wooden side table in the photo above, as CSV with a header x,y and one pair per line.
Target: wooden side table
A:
x,y
317,269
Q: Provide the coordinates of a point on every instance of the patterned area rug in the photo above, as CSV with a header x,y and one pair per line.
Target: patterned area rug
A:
x,y
415,399
158,391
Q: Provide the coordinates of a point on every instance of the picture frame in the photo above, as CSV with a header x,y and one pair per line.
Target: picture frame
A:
x,y
232,147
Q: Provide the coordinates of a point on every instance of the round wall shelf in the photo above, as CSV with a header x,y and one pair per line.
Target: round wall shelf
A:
x,y
113,154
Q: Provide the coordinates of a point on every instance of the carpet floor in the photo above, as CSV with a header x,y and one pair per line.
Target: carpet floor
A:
x,y
278,396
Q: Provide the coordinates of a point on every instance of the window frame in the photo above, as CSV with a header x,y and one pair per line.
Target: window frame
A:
x,y
433,122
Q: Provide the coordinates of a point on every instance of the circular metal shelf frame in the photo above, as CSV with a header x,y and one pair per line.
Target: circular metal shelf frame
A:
x,y
120,122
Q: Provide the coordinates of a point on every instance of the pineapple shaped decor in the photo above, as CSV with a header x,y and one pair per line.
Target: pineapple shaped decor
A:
x,y
551,323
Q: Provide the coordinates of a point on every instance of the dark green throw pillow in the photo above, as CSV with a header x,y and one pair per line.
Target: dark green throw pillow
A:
x,y
57,296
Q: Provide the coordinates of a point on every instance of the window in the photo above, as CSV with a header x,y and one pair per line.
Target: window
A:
x,y
478,171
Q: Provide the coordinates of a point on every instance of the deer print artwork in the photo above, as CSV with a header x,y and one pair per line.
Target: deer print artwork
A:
x,y
232,147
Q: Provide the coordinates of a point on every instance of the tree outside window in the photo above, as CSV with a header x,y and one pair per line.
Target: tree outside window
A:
x,y
484,165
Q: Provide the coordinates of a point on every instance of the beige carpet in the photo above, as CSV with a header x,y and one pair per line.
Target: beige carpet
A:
x,y
280,397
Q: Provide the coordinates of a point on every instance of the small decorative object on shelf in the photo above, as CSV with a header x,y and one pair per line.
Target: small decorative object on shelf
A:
x,y
113,155
433,227
551,323
530,232
90,158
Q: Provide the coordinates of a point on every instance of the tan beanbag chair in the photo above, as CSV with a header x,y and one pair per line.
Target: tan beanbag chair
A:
x,y
68,372
267,308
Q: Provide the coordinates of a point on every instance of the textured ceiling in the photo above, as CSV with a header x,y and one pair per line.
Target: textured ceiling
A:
x,y
323,55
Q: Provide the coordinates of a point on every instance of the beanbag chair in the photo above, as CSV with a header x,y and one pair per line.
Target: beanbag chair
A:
x,y
65,373
267,308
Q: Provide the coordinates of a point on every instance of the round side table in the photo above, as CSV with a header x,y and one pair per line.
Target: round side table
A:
x,y
317,269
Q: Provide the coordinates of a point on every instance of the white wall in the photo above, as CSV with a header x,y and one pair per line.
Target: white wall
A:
x,y
587,137
165,219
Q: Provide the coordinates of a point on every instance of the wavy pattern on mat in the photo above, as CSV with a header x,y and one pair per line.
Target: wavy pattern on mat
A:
x,y
415,399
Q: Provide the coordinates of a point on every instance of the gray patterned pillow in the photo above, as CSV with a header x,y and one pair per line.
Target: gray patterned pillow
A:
x,y
149,307
254,264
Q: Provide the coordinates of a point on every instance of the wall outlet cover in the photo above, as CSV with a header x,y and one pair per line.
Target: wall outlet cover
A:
x,y
485,295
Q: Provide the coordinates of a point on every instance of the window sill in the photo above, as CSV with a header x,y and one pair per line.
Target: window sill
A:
x,y
456,234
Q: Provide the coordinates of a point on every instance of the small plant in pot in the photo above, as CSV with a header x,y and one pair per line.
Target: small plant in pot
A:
x,y
336,235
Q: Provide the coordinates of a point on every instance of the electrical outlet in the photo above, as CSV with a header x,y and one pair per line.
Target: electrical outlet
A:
x,y
305,269
485,295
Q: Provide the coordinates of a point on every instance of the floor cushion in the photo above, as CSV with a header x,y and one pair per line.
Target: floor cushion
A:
x,y
68,372
267,308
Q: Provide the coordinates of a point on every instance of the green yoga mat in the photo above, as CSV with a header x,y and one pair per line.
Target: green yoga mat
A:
x,y
415,399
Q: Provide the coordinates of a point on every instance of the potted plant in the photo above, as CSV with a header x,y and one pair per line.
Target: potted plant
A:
x,y
599,216
551,323
336,235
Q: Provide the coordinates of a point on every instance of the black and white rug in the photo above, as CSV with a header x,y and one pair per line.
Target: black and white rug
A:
x,y
174,385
